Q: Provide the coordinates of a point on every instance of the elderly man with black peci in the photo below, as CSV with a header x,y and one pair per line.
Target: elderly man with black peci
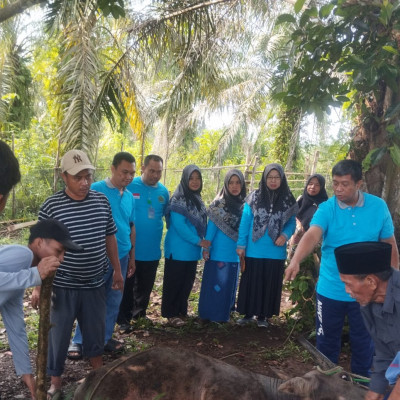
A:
x,y
365,268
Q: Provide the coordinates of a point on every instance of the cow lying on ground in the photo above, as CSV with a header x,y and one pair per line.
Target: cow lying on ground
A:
x,y
177,374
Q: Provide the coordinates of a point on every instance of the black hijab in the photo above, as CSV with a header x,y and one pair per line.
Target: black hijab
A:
x,y
271,208
309,204
226,210
188,202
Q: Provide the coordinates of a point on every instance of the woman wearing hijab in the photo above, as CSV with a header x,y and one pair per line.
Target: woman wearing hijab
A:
x,y
221,269
186,222
268,221
313,195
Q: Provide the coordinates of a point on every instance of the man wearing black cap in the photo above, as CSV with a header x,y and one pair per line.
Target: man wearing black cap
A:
x,y
365,268
47,242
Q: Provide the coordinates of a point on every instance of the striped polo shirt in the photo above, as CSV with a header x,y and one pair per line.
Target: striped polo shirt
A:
x,y
89,222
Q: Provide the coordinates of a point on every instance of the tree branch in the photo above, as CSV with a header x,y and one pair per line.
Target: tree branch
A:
x,y
186,10
18,7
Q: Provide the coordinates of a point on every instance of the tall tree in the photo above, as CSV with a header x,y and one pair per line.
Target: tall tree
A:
x,y
349,54
15,81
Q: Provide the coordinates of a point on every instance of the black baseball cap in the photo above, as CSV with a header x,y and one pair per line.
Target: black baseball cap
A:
x,y
56,230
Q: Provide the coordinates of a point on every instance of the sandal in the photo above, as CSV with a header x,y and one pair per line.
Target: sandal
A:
x,y
114,346
54,394
74,351
176,321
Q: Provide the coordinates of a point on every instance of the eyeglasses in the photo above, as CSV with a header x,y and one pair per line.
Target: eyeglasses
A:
x,y
273,178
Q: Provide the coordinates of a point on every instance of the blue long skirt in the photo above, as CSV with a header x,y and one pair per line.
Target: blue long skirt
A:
x,y
218,290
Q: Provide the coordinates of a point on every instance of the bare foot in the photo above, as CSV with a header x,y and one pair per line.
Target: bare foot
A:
x,y
29,381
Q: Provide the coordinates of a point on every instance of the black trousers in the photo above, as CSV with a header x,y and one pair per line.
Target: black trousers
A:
x,y
137,291
177,284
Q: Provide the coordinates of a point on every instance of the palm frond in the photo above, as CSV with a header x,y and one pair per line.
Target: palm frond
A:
x,y
15,80
78,74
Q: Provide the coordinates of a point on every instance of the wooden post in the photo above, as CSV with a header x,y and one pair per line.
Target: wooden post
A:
x,y
253,173
218,180
165,161
307,163
315,162
55,177
13,206
43,339
218,171
165,176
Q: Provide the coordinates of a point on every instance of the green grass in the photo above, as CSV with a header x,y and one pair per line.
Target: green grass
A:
x,y
288,350
32,329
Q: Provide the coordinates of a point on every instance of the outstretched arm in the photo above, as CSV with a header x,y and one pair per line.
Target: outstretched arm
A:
x,y
304,248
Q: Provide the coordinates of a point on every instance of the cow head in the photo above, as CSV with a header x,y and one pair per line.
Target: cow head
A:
x,y
323,386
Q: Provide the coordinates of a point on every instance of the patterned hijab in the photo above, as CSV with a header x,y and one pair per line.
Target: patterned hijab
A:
x,y
188,202
271,208
309,204
226,209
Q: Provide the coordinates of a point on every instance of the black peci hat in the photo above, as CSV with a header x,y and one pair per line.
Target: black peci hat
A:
x,y
363,258
56,230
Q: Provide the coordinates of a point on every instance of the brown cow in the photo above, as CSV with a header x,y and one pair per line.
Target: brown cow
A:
x,y
177,374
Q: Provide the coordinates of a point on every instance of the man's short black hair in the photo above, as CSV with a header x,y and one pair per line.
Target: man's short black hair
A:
x,y
9,169
348,167
123,156
152,157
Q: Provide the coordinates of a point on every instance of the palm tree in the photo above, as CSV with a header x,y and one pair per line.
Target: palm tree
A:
x,y
15,80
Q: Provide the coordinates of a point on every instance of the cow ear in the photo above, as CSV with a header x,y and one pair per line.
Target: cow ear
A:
x,y
299,386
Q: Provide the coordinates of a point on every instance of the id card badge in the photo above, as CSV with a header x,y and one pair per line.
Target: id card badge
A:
x,y
151,214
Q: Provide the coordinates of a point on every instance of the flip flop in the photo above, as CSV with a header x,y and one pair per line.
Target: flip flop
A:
x,y
114,346
55,394
74,351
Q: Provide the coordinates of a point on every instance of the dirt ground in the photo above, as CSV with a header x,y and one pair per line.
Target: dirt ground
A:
x,y
268,351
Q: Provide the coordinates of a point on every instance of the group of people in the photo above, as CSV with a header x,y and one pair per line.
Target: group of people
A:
x,y
108,247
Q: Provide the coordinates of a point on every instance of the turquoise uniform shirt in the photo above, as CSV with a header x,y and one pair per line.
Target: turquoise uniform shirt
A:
x,y
150,205
123,212
263,247
182,241
223,248
368,220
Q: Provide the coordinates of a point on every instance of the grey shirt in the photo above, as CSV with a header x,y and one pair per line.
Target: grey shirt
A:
x,y
16,274
383,323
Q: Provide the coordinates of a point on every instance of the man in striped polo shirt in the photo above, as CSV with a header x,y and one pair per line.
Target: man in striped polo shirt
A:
x,y
78,288
122,204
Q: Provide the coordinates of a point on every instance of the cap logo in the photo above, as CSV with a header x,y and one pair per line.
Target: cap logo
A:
x,y
77,158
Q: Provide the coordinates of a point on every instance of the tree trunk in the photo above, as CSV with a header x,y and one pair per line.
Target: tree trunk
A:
x,y
383,178
391,194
